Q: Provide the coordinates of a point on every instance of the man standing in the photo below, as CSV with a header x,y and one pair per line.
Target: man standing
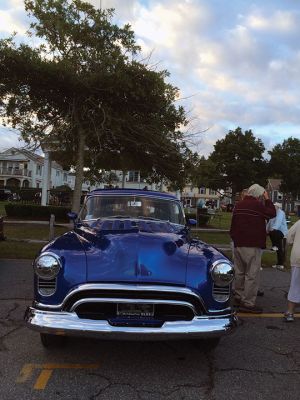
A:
x,y
248,232
277,230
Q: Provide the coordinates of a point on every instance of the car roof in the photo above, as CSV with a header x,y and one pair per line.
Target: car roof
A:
x,y
131,192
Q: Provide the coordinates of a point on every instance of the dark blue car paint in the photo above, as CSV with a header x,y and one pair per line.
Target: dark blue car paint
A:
x,y
144,252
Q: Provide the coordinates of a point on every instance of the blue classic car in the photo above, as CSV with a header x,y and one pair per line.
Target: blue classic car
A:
x,y
131,270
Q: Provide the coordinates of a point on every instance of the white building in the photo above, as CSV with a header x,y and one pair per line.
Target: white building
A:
x,y
24,169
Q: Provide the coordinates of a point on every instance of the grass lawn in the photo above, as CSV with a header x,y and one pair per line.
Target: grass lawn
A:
x,y
14,249
30,231
9,249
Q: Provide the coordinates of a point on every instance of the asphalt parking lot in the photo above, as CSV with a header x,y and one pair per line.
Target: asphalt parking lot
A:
x,y
261,360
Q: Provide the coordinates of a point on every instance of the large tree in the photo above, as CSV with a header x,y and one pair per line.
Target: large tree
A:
x,y
237,162
285,164
83,91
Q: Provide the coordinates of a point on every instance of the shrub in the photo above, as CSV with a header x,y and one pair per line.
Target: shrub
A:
x,y
35,212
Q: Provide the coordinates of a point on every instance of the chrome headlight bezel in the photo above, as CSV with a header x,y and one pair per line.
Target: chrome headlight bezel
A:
x,y
222,273
47,265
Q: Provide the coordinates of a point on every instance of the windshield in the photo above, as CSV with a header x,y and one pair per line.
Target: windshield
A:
x,y
132,207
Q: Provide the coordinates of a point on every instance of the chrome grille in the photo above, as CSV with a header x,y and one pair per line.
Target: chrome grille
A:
x,y
221,294
155,294
100,302
107,310
46,287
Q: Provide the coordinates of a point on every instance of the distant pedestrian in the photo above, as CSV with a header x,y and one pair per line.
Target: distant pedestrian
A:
x,y
293,237
277,230
248,232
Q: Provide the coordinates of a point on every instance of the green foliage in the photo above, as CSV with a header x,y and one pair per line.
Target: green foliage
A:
x,y
204,173
35,212
285,164
237,162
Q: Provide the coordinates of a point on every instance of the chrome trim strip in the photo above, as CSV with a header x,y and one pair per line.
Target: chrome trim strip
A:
x,y
64,323
125,287
136,301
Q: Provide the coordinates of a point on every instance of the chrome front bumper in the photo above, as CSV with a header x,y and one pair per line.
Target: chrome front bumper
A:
x,y
68,323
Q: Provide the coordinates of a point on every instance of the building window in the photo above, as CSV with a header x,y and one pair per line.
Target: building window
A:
x,y
212,192
188,203
133,176
57,173
202,190
65,177
39,170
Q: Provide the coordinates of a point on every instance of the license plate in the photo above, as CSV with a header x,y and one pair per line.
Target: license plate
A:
x,y
135,310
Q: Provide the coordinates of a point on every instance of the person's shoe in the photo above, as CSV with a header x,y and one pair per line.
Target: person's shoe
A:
x,y
289,317
260,293
274,248
250,309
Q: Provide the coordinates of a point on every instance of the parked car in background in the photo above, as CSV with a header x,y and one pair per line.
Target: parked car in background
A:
x,y
5,194
131,270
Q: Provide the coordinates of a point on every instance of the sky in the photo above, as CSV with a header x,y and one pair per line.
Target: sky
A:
x,y
235,62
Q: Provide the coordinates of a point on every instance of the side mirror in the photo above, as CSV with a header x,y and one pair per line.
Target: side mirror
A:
x,y
72,216
192,222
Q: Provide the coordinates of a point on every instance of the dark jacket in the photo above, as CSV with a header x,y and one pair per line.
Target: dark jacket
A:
x,y
248,224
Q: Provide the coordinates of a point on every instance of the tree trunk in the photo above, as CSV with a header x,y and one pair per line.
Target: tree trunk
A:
x,y
79,173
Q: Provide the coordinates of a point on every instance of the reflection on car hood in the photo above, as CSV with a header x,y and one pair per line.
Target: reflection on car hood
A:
x,y
137,250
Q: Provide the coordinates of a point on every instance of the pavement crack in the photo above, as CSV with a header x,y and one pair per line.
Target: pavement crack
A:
x,y
140,393
15,306
211,374
6,335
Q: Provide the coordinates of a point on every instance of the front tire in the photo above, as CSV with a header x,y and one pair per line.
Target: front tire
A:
x,y
52,341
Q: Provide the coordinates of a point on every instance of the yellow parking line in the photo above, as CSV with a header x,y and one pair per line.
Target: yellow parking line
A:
x,y
26,372
264,315
43,379
46,372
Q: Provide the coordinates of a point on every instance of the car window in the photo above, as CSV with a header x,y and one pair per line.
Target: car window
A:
x,y
132,207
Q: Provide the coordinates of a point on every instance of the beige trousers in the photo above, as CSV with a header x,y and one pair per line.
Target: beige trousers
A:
x,y
247,263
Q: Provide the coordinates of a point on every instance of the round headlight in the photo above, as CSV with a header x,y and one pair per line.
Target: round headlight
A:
x,y
222,273
47,266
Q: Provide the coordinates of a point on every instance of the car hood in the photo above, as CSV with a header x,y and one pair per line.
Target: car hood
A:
x,y
143,251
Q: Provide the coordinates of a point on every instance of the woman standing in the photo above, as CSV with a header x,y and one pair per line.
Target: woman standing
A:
x,y
293,237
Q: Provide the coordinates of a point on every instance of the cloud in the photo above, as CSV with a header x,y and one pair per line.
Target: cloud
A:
x,y
9,138
236,62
